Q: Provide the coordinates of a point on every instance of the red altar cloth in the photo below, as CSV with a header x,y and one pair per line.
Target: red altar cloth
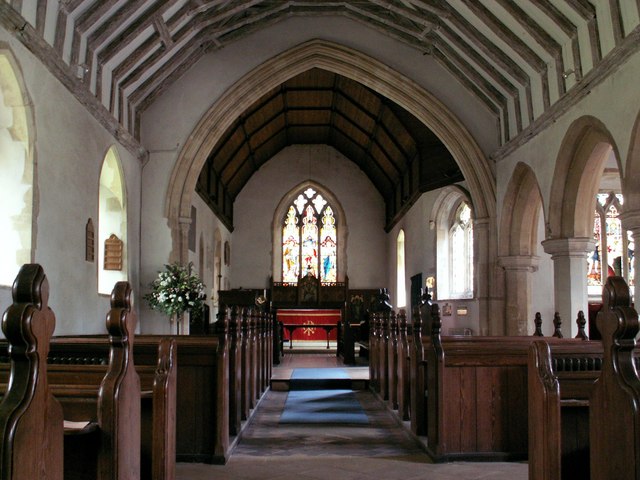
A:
x,y
305,317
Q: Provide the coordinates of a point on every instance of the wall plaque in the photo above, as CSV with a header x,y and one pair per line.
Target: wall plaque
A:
x,y
113,247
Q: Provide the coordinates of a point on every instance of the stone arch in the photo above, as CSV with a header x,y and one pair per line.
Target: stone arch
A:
x,y
582,157
631,191
522,205
519,219
630,184
280,212
579,167
18,175
343,61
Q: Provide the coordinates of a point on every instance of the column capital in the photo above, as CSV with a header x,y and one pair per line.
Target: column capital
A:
x,y
568,247
631,221
525,263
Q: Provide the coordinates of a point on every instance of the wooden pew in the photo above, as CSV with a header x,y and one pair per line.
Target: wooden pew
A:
x,y
476,394
31,422
75,378
202,423
614,413
106,400
561,378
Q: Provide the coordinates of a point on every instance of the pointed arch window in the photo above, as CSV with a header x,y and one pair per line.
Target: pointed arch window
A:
x,y
16,172
112,222
401,301
309,239
614,248
461,253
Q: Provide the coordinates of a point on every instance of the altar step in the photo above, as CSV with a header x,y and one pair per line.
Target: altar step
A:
x,y
353,378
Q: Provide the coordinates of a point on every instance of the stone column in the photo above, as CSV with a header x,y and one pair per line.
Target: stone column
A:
x,y
518,309
569,257
184,226
490,321
631,221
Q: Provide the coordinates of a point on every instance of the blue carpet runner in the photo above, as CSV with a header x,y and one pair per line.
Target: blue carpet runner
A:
x,y
336,407
319,379
322,396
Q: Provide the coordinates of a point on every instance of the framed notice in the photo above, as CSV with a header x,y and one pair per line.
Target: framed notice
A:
x,y
113,247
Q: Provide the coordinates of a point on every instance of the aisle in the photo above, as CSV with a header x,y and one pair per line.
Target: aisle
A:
x,y
272,450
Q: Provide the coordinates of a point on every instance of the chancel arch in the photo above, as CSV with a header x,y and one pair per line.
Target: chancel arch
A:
x,y
584,152
16,170
112,224
309,202
369,72
518,248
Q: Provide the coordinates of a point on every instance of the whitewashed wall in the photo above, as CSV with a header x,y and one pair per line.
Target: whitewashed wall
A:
x,y
254,208
70,146
168,122
615,102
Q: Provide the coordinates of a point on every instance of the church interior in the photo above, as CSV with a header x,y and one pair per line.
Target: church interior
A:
x,y
397,188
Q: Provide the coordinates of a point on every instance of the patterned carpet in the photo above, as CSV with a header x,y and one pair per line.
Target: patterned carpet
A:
x,y
382,437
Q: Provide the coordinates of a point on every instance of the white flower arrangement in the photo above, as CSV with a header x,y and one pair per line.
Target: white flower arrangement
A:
x,y
176,290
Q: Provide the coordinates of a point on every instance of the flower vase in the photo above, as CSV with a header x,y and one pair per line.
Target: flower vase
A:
x,y
179,317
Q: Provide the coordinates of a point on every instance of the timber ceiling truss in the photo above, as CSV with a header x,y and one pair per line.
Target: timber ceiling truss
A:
x,y
522,59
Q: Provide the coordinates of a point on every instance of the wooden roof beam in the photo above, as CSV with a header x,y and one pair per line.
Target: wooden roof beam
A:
x,y
477,40
515,42
588,14
448,36
569,29
545,40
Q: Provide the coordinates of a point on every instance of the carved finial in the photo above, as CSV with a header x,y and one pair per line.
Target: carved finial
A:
x,y
403,324
436,321
166,355
616,299
121,321
417,324
582,322
31,288
557,321
121,296
538,323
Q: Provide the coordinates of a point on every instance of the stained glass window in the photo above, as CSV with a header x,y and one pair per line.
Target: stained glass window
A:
x,y
613,251
328,246
309,239
290,247
594,269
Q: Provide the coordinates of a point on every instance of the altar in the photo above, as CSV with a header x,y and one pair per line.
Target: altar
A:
x,y
309,324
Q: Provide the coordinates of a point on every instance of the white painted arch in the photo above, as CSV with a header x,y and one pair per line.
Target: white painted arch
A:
x,y
359,67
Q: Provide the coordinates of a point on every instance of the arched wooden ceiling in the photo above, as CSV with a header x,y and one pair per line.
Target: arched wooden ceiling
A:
x,y
321,107
522,59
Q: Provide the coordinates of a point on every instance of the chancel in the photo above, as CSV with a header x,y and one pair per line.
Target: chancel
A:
x,y
436,200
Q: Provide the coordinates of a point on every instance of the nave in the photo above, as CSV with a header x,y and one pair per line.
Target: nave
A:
x,y
271,450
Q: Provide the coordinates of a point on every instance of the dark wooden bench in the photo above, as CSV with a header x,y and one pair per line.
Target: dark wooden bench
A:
x,y
75,381
599,394
204,400
561,378
84,383
31,420
104,403
474,393
614,414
